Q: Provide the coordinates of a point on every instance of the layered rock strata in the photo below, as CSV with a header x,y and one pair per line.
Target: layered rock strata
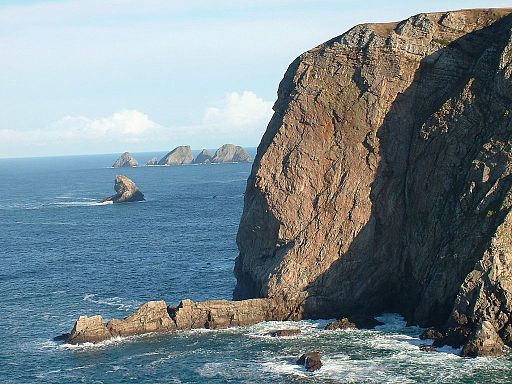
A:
x,y
179,155
383,180
125,160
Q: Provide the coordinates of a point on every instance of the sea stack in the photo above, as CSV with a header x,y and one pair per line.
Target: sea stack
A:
x,y
230,153
179,155
125,160
204,157
126,191
384,179
152,161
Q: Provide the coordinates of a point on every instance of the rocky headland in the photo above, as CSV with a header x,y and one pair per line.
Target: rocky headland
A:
x,y
382,183
126,191
179,155
230,153
125,160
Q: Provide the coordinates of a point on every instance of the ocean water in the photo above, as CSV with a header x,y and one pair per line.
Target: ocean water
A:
x,y
62,255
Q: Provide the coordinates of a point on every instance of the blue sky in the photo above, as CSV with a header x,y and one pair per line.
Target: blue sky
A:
x,y
96,76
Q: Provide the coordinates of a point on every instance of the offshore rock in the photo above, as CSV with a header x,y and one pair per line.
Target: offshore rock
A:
x,y
152,161
89,330
125,160
204,157
126,191
384,179
311,361
179,155
230,153
156,316
284,332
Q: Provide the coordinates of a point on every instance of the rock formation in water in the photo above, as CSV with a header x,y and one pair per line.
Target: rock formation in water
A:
x,y
230,153
311,361
156,316
152,161
204,157
126,191
179,155
383,180
125,160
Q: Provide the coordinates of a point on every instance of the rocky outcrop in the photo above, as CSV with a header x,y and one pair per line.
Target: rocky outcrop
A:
x,y
483,341
230,153
284,332
152,161
383,180
204,157
125,160
311,361
156,316
126,191
179,155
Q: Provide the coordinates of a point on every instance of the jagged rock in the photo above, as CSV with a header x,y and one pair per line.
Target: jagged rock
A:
x,y
156,316
431,333
427,348
311,361
343,323
126,191
383,180
125,160
179,155
150,317
62,337
483,341
230,153
284,332
204,157
89,330
152,161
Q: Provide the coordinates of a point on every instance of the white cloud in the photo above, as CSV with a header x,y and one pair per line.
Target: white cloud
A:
x,y
239,113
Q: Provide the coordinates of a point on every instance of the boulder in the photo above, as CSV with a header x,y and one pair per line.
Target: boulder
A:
x,y
284,332
427,348
126,191
152,161
150,317
343,323
483,341
89,330
432,334
204,157
125,160
230,153
179,155
311,361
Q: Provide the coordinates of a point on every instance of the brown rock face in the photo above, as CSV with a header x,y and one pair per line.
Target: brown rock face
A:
x,y
484,341
230,153
178,156
125,160
311,361
150,317
126,191
383,181
89,330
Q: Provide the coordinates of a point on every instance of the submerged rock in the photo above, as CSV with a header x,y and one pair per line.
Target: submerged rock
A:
x,y
230,153
179,155
152,161
427,348
284,332
126,191
382,182
125,160
204,157
311,361
89,330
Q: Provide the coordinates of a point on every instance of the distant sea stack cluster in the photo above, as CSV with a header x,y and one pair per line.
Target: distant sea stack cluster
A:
x,y
228,153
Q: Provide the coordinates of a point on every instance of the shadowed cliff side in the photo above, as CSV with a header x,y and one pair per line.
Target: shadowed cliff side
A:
x,y
383,180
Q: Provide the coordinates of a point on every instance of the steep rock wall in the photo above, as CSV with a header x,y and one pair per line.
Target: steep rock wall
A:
x,y
383,181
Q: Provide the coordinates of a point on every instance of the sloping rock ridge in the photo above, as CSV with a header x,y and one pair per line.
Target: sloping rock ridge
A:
x,y
230,153
383,180
125,160
179,155
204,157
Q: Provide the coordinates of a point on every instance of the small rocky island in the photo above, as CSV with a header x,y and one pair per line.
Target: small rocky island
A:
x,y
178,156
152,161
126,191
204,157
230,153
125,160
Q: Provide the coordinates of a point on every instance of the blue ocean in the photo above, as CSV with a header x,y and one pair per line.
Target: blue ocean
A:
x,y
64,255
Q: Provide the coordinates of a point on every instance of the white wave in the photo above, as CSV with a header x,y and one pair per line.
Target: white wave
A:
x,y
81,203
118,302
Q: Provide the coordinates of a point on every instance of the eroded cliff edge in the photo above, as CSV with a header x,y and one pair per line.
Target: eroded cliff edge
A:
x,y
383,181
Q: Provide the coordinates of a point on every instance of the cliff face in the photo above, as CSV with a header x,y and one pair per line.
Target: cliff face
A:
x,y
383,181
